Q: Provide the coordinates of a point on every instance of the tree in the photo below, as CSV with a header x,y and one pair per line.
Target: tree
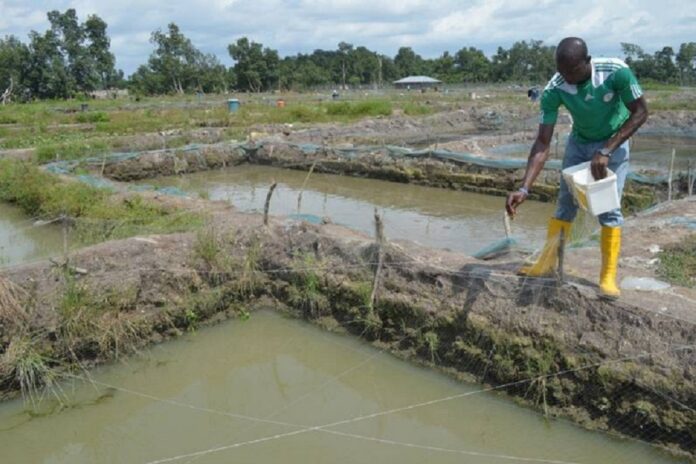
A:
x,y
14,61
665,70
366,66
47,75
344,50
686,62
444,68
632,52
174,58
472,65
525,61
176,65
657,67
102,60
256,67
408,63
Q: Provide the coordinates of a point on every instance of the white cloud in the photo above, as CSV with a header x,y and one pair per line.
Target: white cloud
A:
x,y
429,26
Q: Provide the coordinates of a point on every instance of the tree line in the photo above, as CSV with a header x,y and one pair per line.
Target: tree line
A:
x,y
73,58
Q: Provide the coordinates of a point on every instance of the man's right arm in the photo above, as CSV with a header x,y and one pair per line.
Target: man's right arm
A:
x,y
537,158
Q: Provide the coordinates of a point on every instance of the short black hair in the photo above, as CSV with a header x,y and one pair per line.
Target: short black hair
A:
x,y
571,50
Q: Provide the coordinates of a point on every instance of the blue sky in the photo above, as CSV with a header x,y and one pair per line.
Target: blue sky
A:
x,y
429,26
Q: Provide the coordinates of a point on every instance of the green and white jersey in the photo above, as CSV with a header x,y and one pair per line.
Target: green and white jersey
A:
x,y
598,105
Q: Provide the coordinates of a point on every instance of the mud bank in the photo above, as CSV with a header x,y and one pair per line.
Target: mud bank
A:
x,y
468,173
472,119
556,348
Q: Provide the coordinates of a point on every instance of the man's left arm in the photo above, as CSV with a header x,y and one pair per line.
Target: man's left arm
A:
x,y
628,88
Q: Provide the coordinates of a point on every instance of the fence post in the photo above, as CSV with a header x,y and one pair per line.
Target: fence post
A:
x,y
267,205
379,237
671,172
304,184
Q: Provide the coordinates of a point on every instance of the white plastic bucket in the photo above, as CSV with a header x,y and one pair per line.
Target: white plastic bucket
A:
x,y
594,196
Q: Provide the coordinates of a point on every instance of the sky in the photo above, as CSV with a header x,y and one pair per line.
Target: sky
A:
x,y
428,26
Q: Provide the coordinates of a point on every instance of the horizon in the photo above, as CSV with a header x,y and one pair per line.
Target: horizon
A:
x,y
429,28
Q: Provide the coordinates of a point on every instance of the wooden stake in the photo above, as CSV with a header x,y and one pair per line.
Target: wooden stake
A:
x,y
65,238
671,172
379,236
267,205
304,184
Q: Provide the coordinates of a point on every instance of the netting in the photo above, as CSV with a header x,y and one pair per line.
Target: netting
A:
x,y
511,336
66,167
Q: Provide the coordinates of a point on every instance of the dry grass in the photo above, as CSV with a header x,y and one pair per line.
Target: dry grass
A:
x,y
13,304
24,366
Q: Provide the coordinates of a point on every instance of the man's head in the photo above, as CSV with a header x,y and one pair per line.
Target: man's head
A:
x,y
573,61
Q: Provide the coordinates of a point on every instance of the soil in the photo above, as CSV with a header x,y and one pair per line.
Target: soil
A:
x,y
625,366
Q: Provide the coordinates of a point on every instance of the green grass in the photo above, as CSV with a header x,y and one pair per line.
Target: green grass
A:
x,y
305,293
678,262
71,150
96,214
92,117
653,85
24,365
96,324
414,109
360,108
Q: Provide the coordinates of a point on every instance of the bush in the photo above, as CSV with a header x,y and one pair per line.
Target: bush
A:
x,y
359,109
98,116
413,109
69,150
97,216
678,262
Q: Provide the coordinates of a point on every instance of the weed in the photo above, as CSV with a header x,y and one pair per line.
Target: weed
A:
x,y
678,262
306,293
360,109
98,116
191,317
25,366
244,314
413,109
14,301
432,343
249,277
207,246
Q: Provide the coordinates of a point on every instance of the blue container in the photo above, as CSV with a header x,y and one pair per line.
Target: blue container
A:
x,y
233,105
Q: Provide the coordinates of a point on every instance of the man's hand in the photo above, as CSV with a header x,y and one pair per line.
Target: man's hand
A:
x,y
599,164
514,200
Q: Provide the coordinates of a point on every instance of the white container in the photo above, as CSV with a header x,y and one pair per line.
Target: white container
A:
x,y
594,196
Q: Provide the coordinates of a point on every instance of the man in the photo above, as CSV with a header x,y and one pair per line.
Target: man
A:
x,y
607,107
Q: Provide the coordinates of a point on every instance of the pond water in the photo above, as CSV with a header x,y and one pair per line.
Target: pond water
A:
x,y
433,217
647,152
246,391
21,240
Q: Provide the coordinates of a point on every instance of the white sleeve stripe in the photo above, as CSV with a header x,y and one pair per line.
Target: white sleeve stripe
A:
x,y
636,91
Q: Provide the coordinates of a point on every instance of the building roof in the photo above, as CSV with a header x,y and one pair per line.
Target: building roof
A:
x,y
417,80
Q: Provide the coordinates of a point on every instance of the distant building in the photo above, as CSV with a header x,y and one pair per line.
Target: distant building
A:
x,y
108,93
416,82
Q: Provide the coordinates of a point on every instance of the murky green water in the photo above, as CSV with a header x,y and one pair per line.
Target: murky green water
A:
x,y
187,396
434,217
656,152
647,152
21,241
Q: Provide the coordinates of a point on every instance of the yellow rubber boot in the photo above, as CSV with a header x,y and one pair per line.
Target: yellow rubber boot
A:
x,y
611,246
545,264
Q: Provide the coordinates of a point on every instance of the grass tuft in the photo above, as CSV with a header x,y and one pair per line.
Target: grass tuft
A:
x,y
678,262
